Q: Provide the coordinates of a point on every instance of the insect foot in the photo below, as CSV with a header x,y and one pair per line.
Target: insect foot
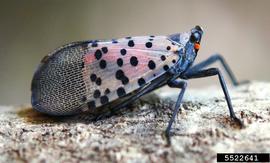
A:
x,y
238,122
167,135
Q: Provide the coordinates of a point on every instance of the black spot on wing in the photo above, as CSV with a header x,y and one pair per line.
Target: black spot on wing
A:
x,y
166,67
104,100
107,91
104,50
98,81
97,94
102,64
148,44
120,62
141,81
163,58
93,77
125,80
98,54
131,43
121,91
119,74
151,65
123,51
134,61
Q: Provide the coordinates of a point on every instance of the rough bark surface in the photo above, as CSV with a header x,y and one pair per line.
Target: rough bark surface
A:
x,y
135,135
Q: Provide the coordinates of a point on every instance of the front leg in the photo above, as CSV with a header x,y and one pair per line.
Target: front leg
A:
x,y
175,84
211,72
212,59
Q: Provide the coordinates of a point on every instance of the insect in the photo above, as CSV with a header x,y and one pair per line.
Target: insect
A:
x,y
90,75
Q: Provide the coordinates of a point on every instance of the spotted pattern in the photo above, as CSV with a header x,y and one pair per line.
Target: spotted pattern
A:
x,y
121,92
148,44
134,61
97,94
163,58
125,80
104,100
119,67
166,67
107,91
151,65
93,77
141,81
102,64
123,51
98,54
104,50
98,81
120,62
131,43
119,74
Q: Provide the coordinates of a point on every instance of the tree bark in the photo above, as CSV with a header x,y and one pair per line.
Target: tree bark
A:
x,y
202,129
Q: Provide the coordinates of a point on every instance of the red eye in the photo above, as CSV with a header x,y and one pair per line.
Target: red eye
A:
x,y
196,46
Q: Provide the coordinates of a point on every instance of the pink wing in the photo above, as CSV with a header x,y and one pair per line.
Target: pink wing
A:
x,y
113,69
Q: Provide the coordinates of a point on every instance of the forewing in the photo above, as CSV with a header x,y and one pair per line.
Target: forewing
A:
x,y
114,69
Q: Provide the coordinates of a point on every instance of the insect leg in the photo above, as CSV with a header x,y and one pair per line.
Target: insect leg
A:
x,y
212,59
175,84
212,72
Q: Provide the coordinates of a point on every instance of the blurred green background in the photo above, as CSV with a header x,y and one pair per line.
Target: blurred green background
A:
x,y
29,29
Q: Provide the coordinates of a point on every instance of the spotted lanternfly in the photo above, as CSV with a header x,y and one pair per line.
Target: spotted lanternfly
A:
x,y
91,75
